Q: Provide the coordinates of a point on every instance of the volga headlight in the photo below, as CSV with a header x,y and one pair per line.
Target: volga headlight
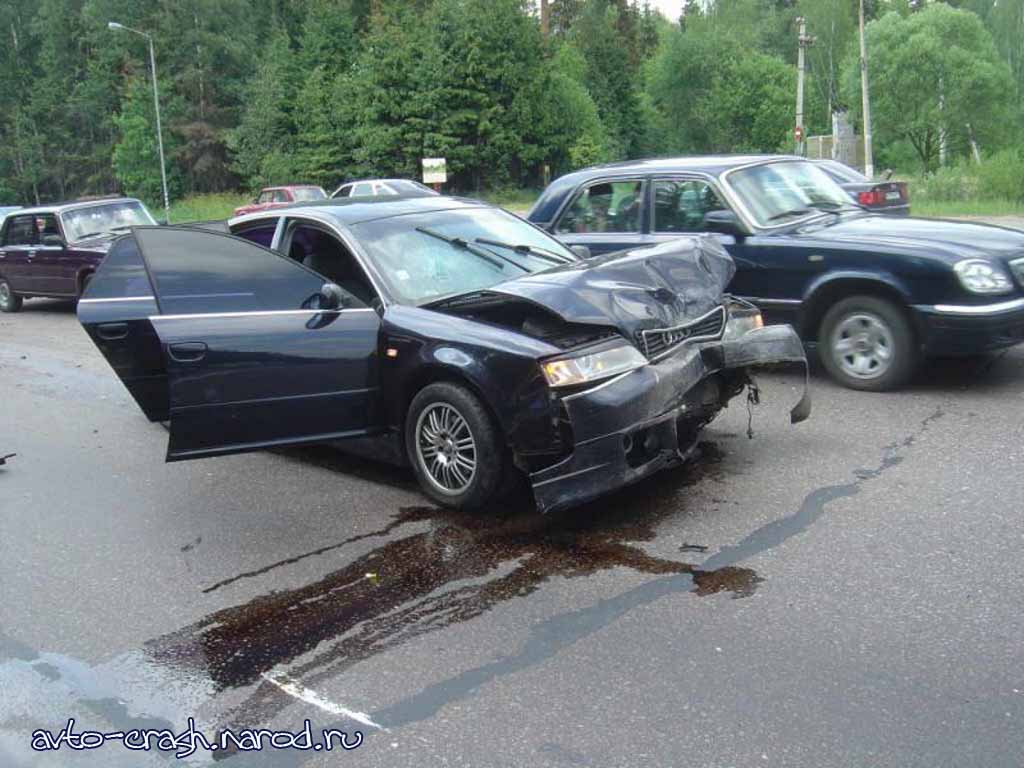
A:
x,y
742,319
981,276
569,371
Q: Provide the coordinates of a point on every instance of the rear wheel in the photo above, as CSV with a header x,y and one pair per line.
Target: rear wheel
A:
x,y
867,343
454,447
9,300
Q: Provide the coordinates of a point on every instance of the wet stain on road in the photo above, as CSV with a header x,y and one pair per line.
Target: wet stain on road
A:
x,y
450,569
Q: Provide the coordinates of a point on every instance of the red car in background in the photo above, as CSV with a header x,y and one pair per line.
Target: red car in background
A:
x,y
275,197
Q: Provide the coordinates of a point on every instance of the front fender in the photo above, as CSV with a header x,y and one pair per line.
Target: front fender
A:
x,y
882,277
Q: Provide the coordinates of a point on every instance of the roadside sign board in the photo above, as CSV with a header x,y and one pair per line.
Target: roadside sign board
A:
x,y
435,170
798,133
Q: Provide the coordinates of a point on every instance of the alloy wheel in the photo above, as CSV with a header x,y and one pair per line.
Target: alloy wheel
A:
x,y
862,345
446,449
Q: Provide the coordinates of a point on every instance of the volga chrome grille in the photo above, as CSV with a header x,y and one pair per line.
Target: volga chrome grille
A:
x,y
659,342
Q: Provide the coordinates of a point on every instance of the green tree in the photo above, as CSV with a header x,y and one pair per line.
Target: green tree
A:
x,y
940,72
136,158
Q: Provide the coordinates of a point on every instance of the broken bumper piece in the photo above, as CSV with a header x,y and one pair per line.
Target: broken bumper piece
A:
x,y
640,422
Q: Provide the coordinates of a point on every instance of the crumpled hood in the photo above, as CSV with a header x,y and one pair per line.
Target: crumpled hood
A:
x,y
659,287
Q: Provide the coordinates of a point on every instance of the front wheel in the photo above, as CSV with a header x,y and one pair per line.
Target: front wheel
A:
x,y
9,300
454,446
867,343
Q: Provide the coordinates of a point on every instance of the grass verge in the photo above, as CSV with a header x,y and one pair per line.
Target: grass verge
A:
x,y
207,207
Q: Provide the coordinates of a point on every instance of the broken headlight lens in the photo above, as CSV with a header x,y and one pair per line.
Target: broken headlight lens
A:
x,y
981,276
570,371
743,318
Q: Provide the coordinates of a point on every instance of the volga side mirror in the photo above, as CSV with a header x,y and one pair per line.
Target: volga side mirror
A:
x,y
53,241
332,297
724,222
581,250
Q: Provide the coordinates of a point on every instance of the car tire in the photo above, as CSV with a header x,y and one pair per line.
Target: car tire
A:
x,y
866,343
454,446
9,300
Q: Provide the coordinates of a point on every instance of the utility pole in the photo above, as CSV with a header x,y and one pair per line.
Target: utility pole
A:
x,y
869,163
804,41
545,19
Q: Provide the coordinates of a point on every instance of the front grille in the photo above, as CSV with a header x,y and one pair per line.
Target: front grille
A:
x,y
659,342
1017,267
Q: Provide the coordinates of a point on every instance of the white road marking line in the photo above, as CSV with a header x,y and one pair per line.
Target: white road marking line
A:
x,y
308,695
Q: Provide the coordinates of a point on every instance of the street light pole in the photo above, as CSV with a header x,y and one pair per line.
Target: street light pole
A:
x,y
869,164
156,105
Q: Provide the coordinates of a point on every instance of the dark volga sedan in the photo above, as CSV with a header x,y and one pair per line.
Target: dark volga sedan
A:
x,y
875,293
461,338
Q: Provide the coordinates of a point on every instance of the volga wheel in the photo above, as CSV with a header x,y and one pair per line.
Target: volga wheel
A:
x,y
867,343
9,300
454,446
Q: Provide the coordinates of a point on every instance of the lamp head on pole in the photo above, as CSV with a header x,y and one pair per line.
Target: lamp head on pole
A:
x,y
114,25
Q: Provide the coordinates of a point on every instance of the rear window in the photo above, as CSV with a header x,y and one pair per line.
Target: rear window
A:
x,y
121,274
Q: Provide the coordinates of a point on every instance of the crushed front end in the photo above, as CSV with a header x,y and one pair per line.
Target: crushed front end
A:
x,y
647,419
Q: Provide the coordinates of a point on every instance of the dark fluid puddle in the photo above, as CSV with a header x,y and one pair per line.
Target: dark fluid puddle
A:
x,y
457,569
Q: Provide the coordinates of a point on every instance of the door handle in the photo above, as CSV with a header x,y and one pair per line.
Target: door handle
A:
x,y
112,331
187,351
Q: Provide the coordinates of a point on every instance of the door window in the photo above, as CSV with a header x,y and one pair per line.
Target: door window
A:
x,y
196,272
322,252
21,231
344,191
280,196
362,189
681,204
604,207
122,275
265,197
261,233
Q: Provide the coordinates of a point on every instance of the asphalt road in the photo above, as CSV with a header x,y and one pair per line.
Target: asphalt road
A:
x,y
844,592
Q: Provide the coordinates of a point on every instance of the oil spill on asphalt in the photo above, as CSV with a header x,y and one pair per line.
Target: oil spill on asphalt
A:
x,y
456,569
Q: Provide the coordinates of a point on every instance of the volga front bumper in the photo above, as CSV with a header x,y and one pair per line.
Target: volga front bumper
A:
x,y
627,428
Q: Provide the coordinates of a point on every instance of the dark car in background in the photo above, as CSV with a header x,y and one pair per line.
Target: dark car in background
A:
x,y
883,196
875,293
382,187
53,250
276,197
444,333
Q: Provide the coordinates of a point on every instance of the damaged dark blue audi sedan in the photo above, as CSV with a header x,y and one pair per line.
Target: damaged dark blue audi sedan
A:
x,y
438,332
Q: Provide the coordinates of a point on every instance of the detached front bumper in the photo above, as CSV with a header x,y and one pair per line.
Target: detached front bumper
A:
x,y
956,330
629,427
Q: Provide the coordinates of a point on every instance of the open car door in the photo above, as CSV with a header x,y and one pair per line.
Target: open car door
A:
x,y
253,357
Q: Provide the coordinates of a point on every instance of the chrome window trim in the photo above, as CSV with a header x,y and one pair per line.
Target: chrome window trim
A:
x,y
117,298
975,309
260,313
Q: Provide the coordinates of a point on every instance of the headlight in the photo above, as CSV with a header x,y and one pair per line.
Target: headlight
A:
x,y
742,319
569,371
981,276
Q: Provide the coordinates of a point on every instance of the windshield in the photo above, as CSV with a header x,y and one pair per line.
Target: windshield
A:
x,y
308,193
104,218
424,257
777,193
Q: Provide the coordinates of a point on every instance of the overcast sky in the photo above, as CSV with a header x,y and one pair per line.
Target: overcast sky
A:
x,y
670,9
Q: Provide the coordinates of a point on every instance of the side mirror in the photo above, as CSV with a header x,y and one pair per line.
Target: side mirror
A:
x,y
332,297
53,241
724,222
581,250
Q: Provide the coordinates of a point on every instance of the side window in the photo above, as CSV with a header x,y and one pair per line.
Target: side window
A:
x,y
265,197
326,255
47,225
280,196
121,274
604,207
344,191
261,233
680,205
197,272
362,189
21,231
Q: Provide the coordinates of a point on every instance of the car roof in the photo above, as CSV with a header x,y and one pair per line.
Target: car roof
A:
x,y
72,204
354,210
712,165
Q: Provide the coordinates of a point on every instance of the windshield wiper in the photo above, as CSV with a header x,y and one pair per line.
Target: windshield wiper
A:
x,y
793,212
87,235
481,253
532,250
